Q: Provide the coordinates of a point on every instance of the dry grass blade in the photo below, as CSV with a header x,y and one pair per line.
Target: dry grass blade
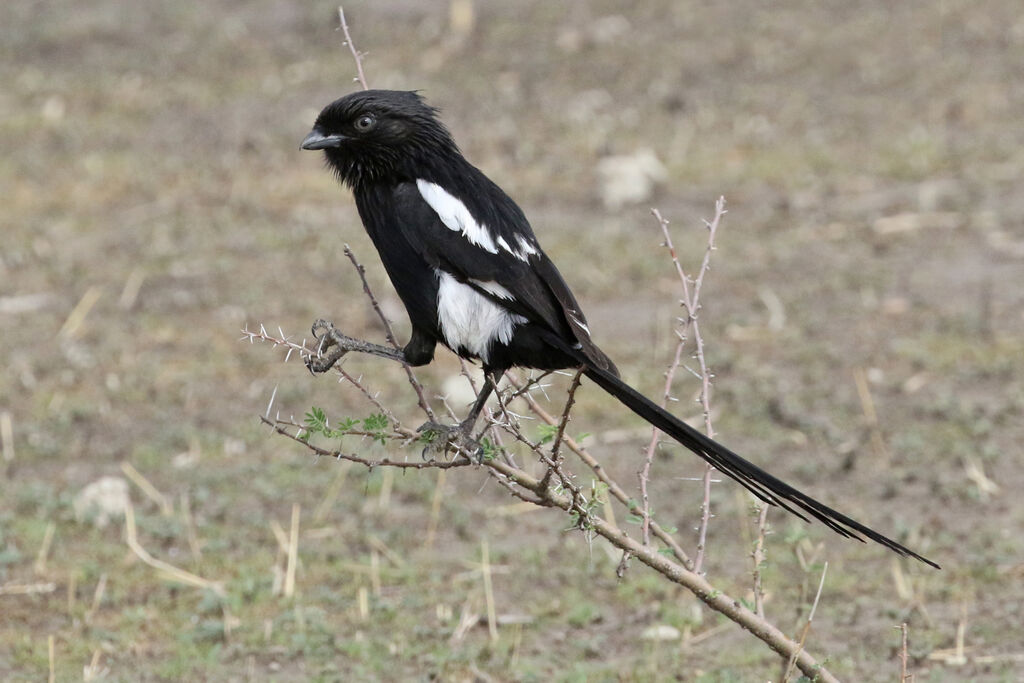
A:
x,y
807,626
44,549
168,570
166,508
293,553
7,435
79,313
485,570
27,588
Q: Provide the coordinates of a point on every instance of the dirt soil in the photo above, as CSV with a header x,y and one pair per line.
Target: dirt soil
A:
x,y
864,319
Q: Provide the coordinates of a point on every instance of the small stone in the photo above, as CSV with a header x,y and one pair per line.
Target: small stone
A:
x,y
630,178
102,501
661,632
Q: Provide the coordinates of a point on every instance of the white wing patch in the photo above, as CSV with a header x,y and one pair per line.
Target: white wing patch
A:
x,y
579,323
524,251
494,288
455,216
470,320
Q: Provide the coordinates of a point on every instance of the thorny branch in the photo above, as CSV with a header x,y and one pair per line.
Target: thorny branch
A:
x,y
558,487
389,332
691,302
356,54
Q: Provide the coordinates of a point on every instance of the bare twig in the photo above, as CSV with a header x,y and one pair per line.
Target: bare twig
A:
x,y
645,471
807,626
569,402
281,428
599,471
691,301
357,382
903,654
356,55
759,559
389,332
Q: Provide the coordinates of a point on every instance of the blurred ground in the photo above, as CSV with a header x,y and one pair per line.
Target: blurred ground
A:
x,y
155,202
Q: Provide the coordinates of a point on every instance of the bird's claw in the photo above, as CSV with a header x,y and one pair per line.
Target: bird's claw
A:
x,y
325,335
441,438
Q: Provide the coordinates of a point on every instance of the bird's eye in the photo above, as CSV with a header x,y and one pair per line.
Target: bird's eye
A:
x,y
365,123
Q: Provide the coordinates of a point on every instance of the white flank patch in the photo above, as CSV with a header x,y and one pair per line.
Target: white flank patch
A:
x,y
455,216
470,320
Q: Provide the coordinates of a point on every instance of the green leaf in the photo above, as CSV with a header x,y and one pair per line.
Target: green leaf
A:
x,y
546,433
316,420
376,422
489,449
377,426
347,424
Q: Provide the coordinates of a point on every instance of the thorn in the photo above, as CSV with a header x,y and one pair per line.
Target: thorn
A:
x,y
270,405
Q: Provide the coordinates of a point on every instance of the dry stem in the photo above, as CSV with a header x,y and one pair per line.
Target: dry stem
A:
x,y
691,302
356,55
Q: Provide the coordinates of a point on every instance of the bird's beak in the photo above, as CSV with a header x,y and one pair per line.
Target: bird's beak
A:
x,y
317,140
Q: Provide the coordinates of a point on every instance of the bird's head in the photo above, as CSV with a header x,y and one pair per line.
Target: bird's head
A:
x,y
375,135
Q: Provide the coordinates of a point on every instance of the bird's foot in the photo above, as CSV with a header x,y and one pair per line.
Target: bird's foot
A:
x,y
441,438
330,346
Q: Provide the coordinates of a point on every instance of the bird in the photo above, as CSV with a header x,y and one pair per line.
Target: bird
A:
x,y
472,276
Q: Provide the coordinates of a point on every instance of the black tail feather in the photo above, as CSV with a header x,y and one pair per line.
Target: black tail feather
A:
x,y
760,483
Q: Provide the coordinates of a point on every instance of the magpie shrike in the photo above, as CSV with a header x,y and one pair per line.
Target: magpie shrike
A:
x,y
472,276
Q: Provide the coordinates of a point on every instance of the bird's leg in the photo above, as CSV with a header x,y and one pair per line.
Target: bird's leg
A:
x,y
332,345
442,437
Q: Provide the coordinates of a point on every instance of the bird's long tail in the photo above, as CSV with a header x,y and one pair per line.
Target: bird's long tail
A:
x,y
760,483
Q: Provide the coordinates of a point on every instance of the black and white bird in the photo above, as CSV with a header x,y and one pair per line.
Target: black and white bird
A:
x,y
472,276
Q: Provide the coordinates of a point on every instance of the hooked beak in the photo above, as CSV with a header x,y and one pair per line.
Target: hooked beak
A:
x,y
317,140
